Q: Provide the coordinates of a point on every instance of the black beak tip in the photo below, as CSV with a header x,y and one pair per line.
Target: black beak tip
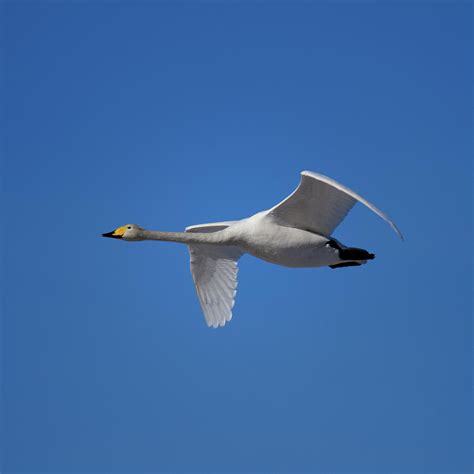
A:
x,y
111,234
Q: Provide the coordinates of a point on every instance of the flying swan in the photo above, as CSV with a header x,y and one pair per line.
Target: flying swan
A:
x,y
294,233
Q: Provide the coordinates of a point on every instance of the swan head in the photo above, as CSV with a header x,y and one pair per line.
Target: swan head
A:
x,y
126,232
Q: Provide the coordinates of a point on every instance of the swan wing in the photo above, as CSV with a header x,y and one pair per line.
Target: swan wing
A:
x,y
213,227
320,204
214,270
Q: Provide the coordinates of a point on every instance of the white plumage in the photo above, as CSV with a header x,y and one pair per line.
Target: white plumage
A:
x,y
294,233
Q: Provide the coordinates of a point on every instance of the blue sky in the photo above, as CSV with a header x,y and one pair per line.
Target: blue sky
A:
x,y
172,114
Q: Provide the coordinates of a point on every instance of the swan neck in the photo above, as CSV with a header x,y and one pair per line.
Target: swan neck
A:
x,y
183,237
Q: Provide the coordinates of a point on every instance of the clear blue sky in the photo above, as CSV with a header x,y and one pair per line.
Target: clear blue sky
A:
x,y
171,114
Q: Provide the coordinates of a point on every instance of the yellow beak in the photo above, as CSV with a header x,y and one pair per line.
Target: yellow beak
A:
x,y
117,233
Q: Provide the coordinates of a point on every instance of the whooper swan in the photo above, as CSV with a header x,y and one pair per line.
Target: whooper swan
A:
x,y
294,233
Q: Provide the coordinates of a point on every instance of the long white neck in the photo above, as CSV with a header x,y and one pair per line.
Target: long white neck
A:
x,y
184,237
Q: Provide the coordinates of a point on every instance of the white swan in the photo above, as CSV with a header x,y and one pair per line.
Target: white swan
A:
x,y
294,233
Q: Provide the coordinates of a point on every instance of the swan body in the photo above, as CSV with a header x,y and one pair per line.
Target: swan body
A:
x,y
262,237
294,233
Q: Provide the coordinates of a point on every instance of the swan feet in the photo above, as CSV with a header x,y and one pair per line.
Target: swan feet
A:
x,y
350,254
345,264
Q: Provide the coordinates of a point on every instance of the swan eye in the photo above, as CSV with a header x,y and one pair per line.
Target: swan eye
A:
x,y
128,227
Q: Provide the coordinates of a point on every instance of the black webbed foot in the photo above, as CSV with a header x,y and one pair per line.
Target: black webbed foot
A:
x,y
345,264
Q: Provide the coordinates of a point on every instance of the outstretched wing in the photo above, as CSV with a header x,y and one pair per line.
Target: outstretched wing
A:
x,y
214,270
212,227
319,204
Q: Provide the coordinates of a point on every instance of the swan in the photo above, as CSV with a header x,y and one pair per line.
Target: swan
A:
x,y
294,233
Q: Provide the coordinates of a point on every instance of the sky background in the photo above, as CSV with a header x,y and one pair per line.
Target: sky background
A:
x,y
171,114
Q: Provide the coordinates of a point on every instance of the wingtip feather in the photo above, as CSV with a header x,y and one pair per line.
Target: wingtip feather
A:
x,y
356,196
